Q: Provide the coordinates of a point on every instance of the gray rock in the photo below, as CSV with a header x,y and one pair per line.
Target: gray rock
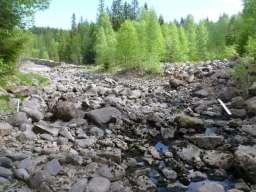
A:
x,y
186,121
5,162
251,106
103,115
6,173
190,154
66,133
249,129
201,93
53,167
79,186
252,89
3,181
97,132
5,129
44,127
39,178
177,187
64,110
168,133
18,119
21,174
207,141
84,143
176,83
169,174
135,94
145,184
238,103
245,157
197,176
218,159
98,184
211,187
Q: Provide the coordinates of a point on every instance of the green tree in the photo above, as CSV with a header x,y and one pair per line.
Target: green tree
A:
x,y
202,42
183,46
127,47
154,41
190,28
105,24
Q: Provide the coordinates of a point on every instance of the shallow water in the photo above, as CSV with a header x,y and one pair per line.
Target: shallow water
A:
x,y
193,187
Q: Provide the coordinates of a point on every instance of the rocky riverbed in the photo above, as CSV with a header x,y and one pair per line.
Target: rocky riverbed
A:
x,y
96,133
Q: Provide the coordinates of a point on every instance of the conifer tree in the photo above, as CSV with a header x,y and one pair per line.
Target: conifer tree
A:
x,y
190,28
202,42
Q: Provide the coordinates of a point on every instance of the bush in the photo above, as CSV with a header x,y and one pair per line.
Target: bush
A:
x,y
6,69
243,73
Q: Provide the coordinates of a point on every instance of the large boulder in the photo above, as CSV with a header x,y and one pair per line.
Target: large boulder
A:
x,y
251,105
98,184
18,119
185,121
245,157
207,141
103,115
218,159
64,110
34,106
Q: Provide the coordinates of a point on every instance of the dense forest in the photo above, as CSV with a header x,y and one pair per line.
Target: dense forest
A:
x,y
129,35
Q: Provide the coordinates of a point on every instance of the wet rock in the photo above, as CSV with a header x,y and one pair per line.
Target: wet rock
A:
x,y
5,129
53,167
64,110
218,159
210,187
79,186
44,127
98,184
245,157
6,173
207,141
103,115
190,154
197,176
177,187
186,121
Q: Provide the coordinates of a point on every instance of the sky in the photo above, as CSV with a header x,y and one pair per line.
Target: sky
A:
x,y
60,11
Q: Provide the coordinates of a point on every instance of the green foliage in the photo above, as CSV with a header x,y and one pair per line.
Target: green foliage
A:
x,y
251,48
31,79
105,42
153,41
202,42
242,74
128,46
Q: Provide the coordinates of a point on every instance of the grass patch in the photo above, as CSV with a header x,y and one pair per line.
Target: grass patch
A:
x,y
5,105
27,79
